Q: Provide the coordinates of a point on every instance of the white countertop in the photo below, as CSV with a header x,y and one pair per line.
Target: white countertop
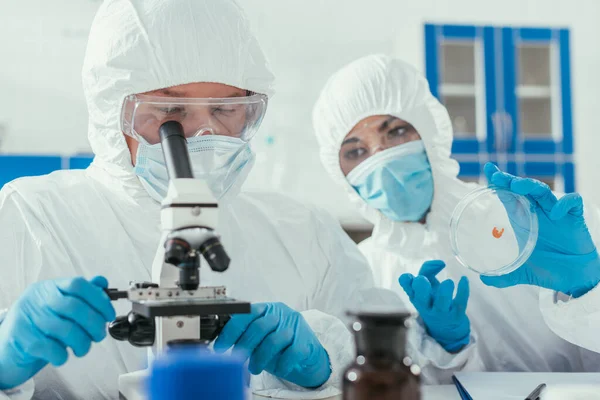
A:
x,y
445,392
130,387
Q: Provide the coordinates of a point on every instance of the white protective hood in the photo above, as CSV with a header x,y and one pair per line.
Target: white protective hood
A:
x,y
137,46
381,85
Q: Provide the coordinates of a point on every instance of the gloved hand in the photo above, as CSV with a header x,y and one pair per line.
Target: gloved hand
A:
x,y
445,319
278,340
564,258
49,317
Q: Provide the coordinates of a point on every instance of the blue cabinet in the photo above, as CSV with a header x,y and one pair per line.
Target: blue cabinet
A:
x,y
17,166
508,93
80,161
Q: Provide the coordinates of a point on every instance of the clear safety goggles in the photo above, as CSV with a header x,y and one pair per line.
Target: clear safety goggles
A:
x,y
239,117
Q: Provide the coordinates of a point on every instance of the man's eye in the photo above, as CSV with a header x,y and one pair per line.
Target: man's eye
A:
x,y
172,110
224,110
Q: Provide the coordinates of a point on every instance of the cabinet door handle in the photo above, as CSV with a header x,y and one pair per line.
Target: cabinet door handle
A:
x,y
503,130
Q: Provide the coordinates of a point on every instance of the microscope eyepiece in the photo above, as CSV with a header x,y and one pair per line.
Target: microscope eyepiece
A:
x,y
175,151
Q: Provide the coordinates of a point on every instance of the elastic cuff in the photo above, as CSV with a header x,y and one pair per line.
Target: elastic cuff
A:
x,y
337,342
587,265
456,347
21,392
578,292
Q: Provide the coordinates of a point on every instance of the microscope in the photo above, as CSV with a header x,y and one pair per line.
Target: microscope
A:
x,y
174,309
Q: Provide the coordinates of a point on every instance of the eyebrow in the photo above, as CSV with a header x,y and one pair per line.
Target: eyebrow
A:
x,y
350,140
174,93
171,92
385,124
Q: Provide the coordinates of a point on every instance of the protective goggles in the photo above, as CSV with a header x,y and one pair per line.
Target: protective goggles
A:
x,y
240,117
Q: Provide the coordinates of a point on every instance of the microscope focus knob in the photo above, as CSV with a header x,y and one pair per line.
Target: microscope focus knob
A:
x,y
119,328
134,328
142,330
212,325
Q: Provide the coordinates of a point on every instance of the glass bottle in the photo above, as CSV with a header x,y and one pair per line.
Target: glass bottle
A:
x,y
382,370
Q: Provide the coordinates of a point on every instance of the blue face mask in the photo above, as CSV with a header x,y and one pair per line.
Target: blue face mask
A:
x,y
396,181
218,160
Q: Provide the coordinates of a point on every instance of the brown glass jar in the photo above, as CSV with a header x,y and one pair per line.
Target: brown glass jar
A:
x,y
382,370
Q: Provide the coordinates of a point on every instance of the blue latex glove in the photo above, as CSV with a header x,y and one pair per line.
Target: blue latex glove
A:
x,y
49,317
445,318
565,257
278,340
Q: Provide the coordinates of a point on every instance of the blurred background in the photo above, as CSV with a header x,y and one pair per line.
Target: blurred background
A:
x,y
520,79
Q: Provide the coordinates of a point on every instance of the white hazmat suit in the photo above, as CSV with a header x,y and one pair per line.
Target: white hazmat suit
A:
x,y
101,221
511,330
576,319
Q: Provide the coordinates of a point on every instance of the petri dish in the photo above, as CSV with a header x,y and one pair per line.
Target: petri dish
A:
x,y
493,231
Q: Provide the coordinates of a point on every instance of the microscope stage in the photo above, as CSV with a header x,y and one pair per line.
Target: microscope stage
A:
x,y
190,307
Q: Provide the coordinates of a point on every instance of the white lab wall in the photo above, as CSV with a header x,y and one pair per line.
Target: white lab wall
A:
x,y
42,45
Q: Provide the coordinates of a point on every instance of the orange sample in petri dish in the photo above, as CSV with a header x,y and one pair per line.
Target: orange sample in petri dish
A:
x,y
496,233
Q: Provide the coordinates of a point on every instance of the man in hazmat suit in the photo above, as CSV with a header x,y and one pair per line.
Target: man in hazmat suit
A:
x,y
387,141
197,62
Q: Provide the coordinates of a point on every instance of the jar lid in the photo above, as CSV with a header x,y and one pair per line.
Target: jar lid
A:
x,y
380,317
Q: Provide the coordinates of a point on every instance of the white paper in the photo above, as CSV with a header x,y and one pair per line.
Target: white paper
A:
x,y
517,385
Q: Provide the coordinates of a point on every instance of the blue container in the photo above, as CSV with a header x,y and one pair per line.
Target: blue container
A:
x,y
193,374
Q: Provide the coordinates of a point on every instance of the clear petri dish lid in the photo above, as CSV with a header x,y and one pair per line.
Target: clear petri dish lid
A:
x,y
493,231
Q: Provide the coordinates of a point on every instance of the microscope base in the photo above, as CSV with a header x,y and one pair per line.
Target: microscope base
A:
x,y
131,385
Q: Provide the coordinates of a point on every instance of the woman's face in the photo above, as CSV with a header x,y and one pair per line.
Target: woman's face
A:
x,y
372,135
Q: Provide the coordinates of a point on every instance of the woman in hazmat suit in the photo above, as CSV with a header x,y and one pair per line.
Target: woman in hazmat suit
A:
x,y
387,140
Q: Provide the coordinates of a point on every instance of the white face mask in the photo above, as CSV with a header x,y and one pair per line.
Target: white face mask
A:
x,y
218,160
